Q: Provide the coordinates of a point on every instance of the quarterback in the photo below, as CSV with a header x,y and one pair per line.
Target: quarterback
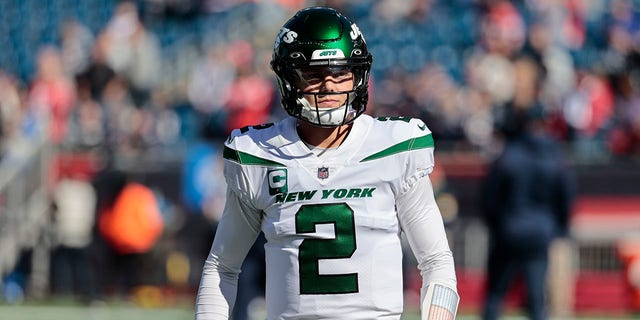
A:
x,y
332,189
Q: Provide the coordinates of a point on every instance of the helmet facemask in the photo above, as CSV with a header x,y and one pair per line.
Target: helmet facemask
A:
x,y
312,80
328,117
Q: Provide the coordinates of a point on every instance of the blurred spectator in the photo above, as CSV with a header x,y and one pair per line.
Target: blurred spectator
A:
x,y
15,283
162,121
11,112
130,223
2,122
489,82
120,116
177,8
588,111
74,198
253,93
134,223
210,85
503,35
622,65
527,197
133,51
98,72
76,46
87,122
391,94
202,193
557,61
53,93
503,29
624,138
624,21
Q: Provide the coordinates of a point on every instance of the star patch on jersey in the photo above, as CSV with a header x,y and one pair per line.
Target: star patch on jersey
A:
x,y
323,173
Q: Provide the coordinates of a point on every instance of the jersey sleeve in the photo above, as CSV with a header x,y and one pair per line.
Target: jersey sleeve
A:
x,y
237,231
235,174
422,223
420,217
420,161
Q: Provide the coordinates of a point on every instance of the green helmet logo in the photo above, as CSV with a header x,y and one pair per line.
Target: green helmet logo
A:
x,y
328,53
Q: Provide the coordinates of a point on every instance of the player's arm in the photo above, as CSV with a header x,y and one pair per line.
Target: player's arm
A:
x,y
422,223
237,231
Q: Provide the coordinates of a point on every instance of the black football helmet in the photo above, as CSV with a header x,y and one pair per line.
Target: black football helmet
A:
x,y
321,37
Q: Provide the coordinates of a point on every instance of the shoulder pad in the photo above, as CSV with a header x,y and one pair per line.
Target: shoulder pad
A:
x,y
243,145
399,134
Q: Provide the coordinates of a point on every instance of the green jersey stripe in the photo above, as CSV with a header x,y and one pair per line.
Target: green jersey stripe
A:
x,y
245,158
407,145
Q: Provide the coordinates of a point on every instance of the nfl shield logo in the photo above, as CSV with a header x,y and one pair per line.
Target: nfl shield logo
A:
x,y
323,173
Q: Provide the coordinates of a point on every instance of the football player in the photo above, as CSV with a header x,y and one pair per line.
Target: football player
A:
x,y
332,189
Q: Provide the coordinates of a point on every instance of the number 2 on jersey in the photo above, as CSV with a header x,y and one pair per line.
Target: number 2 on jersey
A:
x,y
312,250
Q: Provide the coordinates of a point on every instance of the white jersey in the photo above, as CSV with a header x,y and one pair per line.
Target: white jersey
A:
x,y
332,222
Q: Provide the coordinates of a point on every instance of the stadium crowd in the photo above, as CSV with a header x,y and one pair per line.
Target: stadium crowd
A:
x,y
133,84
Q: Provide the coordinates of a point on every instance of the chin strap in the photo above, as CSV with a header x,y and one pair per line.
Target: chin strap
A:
x,y
439,302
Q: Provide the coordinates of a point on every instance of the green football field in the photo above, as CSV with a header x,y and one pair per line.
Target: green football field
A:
x,y
91,313
127,312
111,312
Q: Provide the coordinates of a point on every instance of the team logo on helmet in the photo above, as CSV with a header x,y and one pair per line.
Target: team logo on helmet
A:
x,y
327,54
355,32
285,35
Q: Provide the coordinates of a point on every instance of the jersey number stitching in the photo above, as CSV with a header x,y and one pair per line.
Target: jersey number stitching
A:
x,y
312,250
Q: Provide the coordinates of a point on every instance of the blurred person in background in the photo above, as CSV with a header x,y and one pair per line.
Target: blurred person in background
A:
x,y
11,113
52,94
588,112
87,123
527,197
622,66
74,200
76,45
98,73
331,189
252,93
129,223
202,195
488,71
133,51
209,88
503,35
122,117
